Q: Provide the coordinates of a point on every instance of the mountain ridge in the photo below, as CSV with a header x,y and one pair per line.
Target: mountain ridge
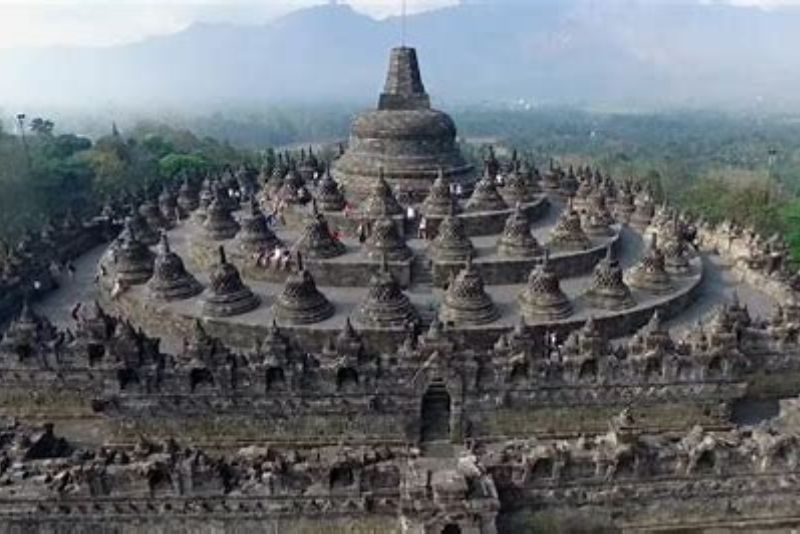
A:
x,y
571,52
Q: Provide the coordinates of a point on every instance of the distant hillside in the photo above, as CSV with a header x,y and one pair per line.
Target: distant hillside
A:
x,y
618,54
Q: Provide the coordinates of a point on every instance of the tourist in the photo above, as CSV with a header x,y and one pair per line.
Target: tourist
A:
x,y
423,228
411,213
459,190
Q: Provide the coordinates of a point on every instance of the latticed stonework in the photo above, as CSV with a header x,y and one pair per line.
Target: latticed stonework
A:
x,y
133,261
643,212
451,242
168,204
542,299
485,196
385,240
404,137
275,180
291,186
569,184
466,301
152,214
256,235
440,201
300,302
141,229
381,200
205,198
624,206
515,188
586,187
227,295
329,195
608,290
650,273
386,306
568,234
517,240
170,280
675,248
219,224
188,196
317,240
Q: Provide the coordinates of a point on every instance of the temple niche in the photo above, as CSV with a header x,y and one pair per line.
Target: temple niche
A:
x,y
400,348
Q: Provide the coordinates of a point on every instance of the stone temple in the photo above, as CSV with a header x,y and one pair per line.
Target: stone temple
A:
x,y
406,138
554,354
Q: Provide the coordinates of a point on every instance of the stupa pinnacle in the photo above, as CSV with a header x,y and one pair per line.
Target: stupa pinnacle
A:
x,y
404,136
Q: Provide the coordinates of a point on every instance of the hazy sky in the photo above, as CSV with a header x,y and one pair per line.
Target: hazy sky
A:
x,y
109,22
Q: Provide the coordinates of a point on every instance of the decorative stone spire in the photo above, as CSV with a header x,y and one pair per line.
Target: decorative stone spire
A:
x,y
141,229
28,333
168,204
598,219
517,240
466,301
543,300
676,250
206,197
300,302
515,188
227,295
403,88
329,195
170,279
586,343
440,201
485,196
386,306
219,224
275,181
152,214
624,206
293,183
256,236
568,234
451,242
644,209
133,260
381,200
569,183
650,273
317,240
188,196
608,290
651,338
384,240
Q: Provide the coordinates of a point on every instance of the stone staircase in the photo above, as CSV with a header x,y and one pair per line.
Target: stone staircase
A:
x,y
421,275
422,284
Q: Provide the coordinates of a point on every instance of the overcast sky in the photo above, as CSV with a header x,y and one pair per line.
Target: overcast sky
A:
x,y
110,22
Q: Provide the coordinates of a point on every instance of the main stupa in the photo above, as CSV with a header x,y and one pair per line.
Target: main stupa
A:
x,y
405,138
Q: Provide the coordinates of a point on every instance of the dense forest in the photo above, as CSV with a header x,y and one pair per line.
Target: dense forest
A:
x,y
44,173
713,164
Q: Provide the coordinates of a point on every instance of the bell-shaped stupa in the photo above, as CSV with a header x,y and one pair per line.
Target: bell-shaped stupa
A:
x,y
404,136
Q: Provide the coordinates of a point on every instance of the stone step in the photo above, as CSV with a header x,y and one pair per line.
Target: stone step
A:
x,y
438,449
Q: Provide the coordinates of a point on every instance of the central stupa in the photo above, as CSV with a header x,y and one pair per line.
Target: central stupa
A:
x,y
405,137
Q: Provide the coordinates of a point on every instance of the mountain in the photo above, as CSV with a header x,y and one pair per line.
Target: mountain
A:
x,y
612,53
